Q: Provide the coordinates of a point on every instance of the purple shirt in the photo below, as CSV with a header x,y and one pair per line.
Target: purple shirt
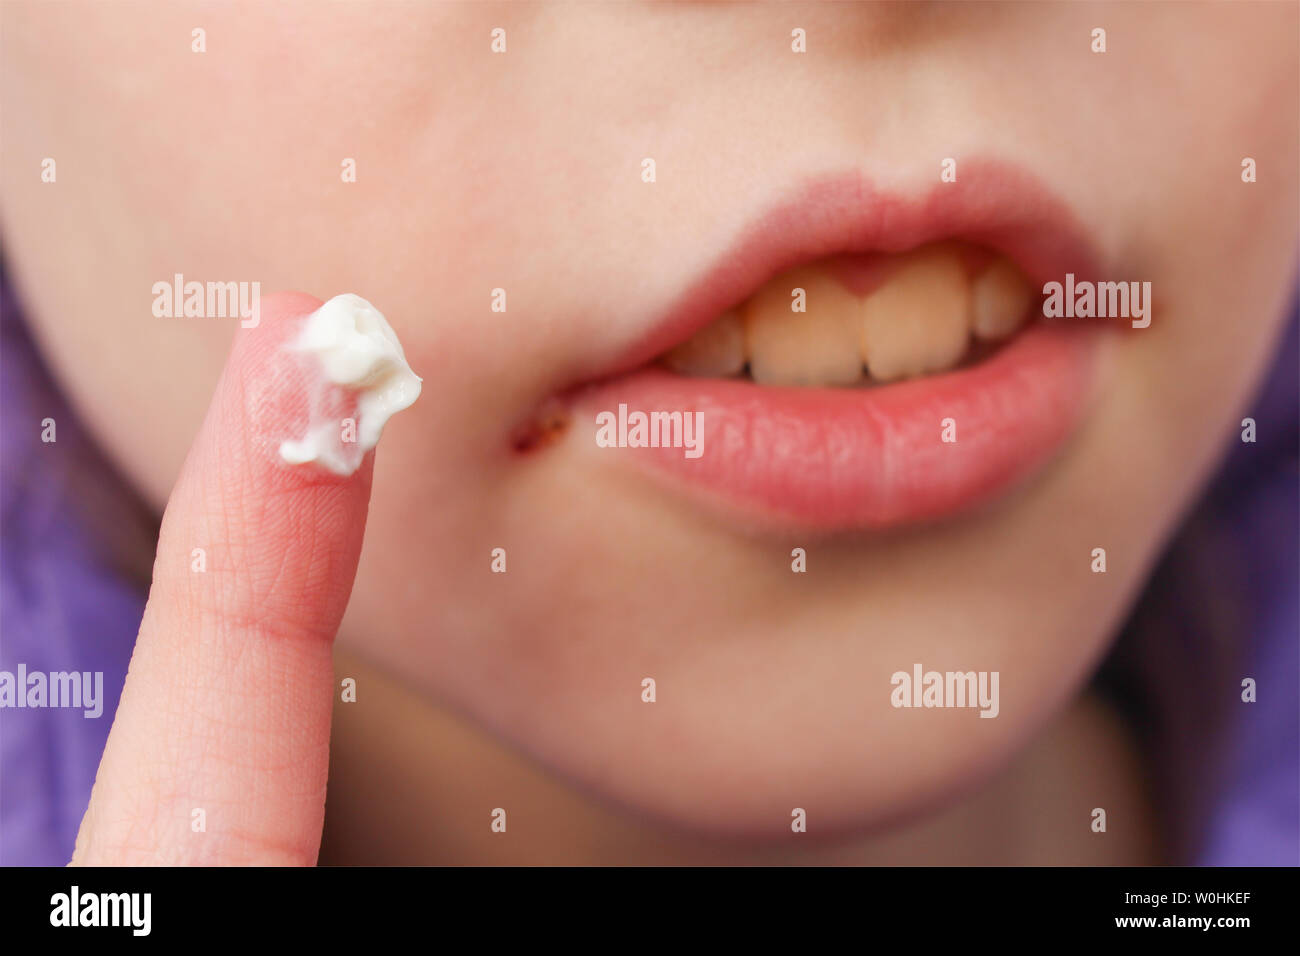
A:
x,y
62,608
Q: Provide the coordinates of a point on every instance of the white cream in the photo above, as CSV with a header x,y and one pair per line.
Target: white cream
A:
x,y
356,348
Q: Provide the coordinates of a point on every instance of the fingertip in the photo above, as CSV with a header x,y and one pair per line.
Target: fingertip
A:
x,y
286,536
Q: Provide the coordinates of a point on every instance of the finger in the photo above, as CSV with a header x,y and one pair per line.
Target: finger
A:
x,y
219,750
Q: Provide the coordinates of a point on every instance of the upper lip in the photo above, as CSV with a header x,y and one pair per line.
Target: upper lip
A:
x,y
997,205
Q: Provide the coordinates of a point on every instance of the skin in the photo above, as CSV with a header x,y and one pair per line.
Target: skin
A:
x,y
478,171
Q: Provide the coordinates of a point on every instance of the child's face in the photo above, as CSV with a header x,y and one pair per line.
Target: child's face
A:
x,y
523,171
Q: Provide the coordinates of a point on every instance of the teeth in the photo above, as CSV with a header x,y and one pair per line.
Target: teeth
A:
x,y
816,347
715,351
1000,299
917,321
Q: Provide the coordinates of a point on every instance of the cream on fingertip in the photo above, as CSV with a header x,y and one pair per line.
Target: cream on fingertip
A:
x,y
356,348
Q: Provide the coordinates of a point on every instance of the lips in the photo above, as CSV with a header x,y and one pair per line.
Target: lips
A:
x,y
878,457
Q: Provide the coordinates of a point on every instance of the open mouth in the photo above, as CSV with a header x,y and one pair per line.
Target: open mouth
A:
x,y
862,360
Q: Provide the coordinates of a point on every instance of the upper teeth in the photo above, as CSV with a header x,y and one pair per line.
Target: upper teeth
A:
x,y
818,346
919,320
1000,301
718,349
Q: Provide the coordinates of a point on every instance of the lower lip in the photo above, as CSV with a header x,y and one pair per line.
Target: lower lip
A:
x,y
867,458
